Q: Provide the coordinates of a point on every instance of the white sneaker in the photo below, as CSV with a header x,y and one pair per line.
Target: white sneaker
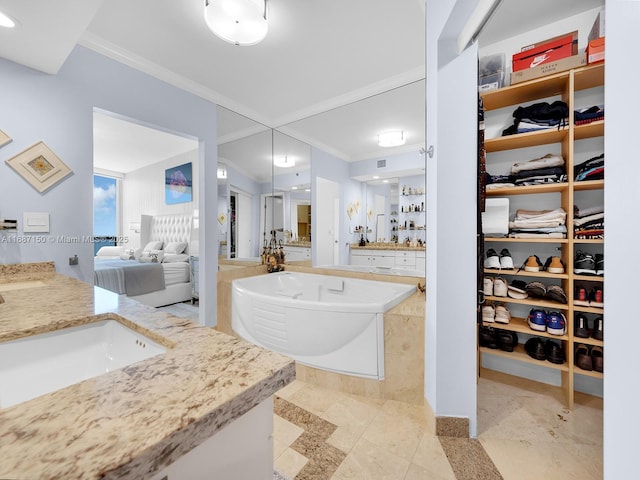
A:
x,y
500,287
492,260
488,286
488,314
502,314
506,262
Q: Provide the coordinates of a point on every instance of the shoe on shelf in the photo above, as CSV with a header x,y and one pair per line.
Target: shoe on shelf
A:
x,y
533,264
554,265
553,351
500,288
556,323
487,284
537,320
582,357
517,290
580,296
580,326
487,337
598,329
492,260
536,289
556,293
507,340
506,262
488,314
502,314
597,358
595,298
535,348
584,264
599,258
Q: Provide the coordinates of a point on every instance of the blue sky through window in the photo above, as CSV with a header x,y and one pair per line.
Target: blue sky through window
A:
x,y
104,206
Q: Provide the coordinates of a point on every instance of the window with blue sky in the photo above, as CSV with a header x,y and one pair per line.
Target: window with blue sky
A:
x,y
104,206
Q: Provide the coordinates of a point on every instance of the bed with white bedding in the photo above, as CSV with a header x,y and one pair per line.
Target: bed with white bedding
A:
x,y
156,274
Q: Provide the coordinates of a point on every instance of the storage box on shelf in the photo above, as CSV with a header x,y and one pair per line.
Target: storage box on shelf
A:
x,y
564,86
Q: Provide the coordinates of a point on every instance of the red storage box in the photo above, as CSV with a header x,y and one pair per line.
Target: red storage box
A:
x,y
595,50
552,50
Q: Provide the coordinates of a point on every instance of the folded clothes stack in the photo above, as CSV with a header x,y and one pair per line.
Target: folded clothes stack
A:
x,y
539,116
588,222
549,168
588,115
592,169
538,223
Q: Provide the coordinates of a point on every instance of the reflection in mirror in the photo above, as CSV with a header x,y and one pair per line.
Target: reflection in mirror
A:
x,y
245,150
370,178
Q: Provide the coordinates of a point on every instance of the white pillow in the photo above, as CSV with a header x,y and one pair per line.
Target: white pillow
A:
x,y
175,247
154,245
109,251
148,256
175,258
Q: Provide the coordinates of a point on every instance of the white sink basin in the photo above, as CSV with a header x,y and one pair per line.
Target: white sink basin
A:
x,y
39,364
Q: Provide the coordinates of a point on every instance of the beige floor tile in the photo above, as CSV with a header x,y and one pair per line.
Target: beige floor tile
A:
x,y
397,434
431,458
290,389
417,472
290,462
368,461
351,411
286,432
278,447
315,399
345,437
411,412
524,460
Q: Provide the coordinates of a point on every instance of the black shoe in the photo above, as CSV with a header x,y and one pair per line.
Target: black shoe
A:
x,y
597,358
553,351
536,289
535,348
488,337
581,326
598,329
507,340
556,293
582,357
584,264
599,264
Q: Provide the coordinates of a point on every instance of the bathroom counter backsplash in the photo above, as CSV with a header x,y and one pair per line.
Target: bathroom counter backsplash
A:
x,y
386,246
133,421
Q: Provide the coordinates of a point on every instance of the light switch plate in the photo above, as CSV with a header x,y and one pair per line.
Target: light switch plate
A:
x,y
35,222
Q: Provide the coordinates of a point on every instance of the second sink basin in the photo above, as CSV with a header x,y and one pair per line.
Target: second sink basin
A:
x,y
39,364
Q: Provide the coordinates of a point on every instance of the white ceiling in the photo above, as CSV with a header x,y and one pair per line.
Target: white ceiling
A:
x,y
332,73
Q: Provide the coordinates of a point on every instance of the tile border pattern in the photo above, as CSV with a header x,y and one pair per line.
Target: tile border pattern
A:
x,y
324,459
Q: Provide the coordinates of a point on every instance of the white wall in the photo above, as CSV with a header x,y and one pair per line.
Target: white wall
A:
x,y
59,110
622,197
143,193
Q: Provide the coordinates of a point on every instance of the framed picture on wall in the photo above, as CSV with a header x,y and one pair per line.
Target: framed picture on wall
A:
x,y
4,138
39,166
178,184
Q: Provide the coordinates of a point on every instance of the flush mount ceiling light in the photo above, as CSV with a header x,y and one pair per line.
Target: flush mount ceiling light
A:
x,y
391,139
284,162
241,22
6,21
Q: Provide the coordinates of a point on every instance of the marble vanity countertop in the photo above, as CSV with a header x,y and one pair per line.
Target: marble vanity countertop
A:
x,y
298,244
132,422
386,246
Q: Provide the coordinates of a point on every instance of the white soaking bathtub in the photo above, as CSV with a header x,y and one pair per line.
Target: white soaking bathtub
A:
x,y
327,322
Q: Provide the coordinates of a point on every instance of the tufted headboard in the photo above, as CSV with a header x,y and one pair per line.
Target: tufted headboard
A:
x,y
168,228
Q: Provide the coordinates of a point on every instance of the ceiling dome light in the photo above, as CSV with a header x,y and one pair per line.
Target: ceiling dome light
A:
x,y
391,139
6,21
284,162
241,22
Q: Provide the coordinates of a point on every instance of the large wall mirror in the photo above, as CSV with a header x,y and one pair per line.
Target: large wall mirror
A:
x,y
330,192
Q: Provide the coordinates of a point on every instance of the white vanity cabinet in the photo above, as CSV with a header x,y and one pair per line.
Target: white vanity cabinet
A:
x,y
373,258
296,253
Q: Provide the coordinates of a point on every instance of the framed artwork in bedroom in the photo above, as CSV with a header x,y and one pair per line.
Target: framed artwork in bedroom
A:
x,y
178,184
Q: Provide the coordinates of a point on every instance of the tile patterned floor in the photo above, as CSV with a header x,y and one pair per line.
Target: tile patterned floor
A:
x,y
525,432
